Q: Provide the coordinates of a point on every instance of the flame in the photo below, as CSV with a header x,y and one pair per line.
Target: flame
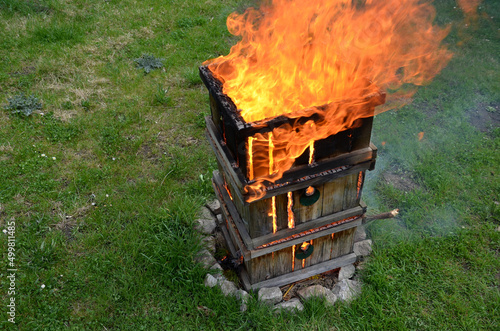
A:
x,y
309,191
420,136
324,57
228,191
273,214
360,183
311,152
293,257
291,216
271,150
304,246
250,157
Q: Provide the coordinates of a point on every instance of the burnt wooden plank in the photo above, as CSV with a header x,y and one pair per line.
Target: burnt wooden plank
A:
x,y
319,222
236,177
261,220
317,178
306,273
295,241
227,204
216,116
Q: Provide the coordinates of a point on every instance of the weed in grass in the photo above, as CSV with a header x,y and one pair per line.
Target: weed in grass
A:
x,y
148,62
110,139
192,77
161,97
85,104
22,104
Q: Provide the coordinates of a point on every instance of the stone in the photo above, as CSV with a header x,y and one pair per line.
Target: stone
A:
x,y
228,288
210,281
346,290
210,243
498,229
360,233
205,225
214,206
290,305
220,220
270,295
363,248
317,291
217,268
347,272
243,296
205,213
205,258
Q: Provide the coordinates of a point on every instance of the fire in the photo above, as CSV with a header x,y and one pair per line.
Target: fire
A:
x,y
360,183
291,216
310,191
293,257
324,57
273,214
250,157
311,152
304,246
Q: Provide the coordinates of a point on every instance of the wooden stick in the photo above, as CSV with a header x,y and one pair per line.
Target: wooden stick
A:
x,y
382,216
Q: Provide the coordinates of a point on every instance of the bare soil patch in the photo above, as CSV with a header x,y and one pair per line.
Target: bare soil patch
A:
x,y
485,117
400,179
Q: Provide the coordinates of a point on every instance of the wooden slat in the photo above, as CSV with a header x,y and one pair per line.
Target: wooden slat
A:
x,y
334,196
223,156
350,191
227,203
261,222
282,211
319,255
297,184
289,243
321,221
306,273
306,213
282,263
343,242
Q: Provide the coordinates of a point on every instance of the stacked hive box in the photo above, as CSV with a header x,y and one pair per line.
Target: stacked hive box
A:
x,y
267,233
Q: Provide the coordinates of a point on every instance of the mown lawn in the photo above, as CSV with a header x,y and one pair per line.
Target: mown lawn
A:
x,y
104,186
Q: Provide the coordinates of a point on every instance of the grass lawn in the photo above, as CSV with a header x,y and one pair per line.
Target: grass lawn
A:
x,y
104,186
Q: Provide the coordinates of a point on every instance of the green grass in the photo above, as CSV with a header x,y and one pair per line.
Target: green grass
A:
x,y
106,226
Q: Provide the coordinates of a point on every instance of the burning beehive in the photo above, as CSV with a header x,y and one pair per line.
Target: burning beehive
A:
x,y
292,110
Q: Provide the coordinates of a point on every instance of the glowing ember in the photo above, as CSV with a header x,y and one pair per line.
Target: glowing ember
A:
x,y
291,216
293,257
273,214
250,157
304,246
360,183
324,57
309,191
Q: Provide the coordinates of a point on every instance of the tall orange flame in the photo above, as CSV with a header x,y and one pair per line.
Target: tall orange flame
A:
x,y
298,58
